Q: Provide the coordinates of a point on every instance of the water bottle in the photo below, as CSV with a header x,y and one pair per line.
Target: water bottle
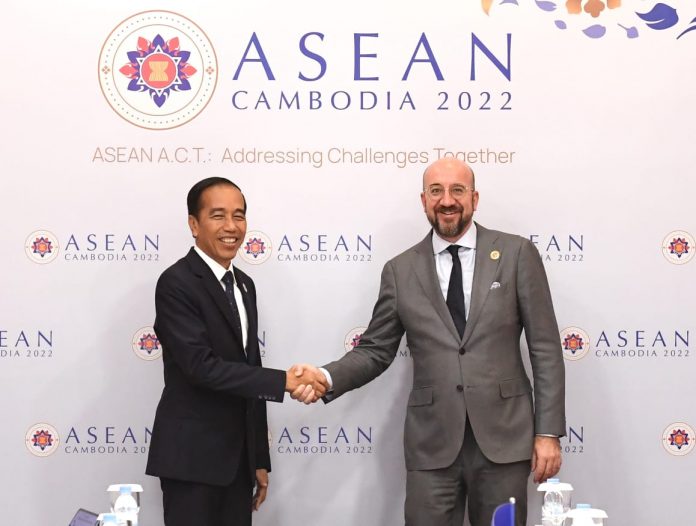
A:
x,y
553,509
126,508
108,519
585,515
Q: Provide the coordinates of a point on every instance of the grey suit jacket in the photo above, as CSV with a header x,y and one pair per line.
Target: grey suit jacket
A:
x,y
481,374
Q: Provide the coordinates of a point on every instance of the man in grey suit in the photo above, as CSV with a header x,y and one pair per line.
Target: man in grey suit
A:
x,y
463,295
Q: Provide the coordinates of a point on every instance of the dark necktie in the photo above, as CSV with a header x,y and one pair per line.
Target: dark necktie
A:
x,y
455,291
228,280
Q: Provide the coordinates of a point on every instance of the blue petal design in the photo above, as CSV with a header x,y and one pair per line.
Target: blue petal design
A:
x,y
688,29
132,55
545,5
560,24
158,41
184,55
134,86
509,2
662,16
595,31
631,32
159,99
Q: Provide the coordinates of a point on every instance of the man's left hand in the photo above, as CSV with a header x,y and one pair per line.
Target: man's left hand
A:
x,y
546,457
261,488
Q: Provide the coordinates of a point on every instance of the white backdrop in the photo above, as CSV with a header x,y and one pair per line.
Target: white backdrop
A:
x,y
593,161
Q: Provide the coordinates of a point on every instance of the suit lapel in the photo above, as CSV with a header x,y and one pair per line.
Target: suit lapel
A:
x,y
214,288
485,268
424,268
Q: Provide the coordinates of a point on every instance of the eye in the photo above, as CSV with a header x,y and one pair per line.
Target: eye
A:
x,y
239,217
458,191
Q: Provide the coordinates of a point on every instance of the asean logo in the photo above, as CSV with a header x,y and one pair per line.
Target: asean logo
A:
x,y
157,70
146,344
256,247
575,343
352,339
41,246
678,439
42,440
678,247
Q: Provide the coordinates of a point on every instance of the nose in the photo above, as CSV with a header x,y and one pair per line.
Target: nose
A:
x,y
447,199
230,224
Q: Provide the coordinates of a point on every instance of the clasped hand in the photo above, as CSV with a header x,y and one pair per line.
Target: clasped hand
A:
x,y
305,383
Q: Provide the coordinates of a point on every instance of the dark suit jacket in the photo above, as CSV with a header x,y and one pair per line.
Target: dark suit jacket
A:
x,y
214,397
480,375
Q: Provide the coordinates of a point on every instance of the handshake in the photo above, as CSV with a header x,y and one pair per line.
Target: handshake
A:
x,y
305,383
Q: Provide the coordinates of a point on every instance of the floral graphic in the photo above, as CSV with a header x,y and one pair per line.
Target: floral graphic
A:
x,y
573,343
255,247
659,18
679,246
158,67
149,343
42,439
679,438
42,246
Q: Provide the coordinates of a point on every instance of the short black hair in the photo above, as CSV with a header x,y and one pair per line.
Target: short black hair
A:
x,y
193,199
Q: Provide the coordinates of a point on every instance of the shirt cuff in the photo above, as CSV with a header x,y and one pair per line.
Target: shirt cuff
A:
x,y
328,378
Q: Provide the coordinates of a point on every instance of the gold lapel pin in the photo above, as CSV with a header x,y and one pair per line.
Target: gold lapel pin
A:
x,y
495,255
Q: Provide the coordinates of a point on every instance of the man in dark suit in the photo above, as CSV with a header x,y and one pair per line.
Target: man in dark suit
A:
x,y
210,439
463,296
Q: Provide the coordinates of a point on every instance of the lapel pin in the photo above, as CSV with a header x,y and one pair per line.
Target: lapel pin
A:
x,y
495,285
495,255
244,287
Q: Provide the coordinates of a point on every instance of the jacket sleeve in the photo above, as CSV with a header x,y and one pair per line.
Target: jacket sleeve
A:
x,y
184,336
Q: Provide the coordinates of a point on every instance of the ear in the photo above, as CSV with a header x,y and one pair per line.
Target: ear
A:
x,y
475,199
423,200
193,225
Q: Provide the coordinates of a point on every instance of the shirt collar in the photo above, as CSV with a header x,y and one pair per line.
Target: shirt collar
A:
x,y
468,240
217,269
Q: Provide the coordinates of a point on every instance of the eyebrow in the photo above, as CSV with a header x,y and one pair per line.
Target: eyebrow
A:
x,y
236,210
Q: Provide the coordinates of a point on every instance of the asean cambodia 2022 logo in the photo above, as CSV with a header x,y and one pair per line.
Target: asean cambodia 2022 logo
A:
x,y
678,247
146,344
575,343
158,70
678,439
256,247
41,246
42,440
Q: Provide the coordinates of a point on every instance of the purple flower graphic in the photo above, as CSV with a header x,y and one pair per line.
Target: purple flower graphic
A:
x,y
158,67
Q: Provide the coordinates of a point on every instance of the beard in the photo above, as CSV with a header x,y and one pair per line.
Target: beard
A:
x,y
450,229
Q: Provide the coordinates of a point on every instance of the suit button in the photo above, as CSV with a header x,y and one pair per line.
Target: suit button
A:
x,y
462,351
460,388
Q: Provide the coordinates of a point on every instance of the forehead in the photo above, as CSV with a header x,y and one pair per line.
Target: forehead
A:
x,y
448,173
222,196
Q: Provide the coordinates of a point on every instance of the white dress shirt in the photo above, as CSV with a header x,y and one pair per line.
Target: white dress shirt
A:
x,y
219,272
467,255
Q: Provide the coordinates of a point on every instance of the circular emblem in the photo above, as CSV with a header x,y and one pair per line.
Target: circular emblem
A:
x,y
678,439
495,255
146,345
678,247
352,339
575,343
256,247
157,70
42,440
41,246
